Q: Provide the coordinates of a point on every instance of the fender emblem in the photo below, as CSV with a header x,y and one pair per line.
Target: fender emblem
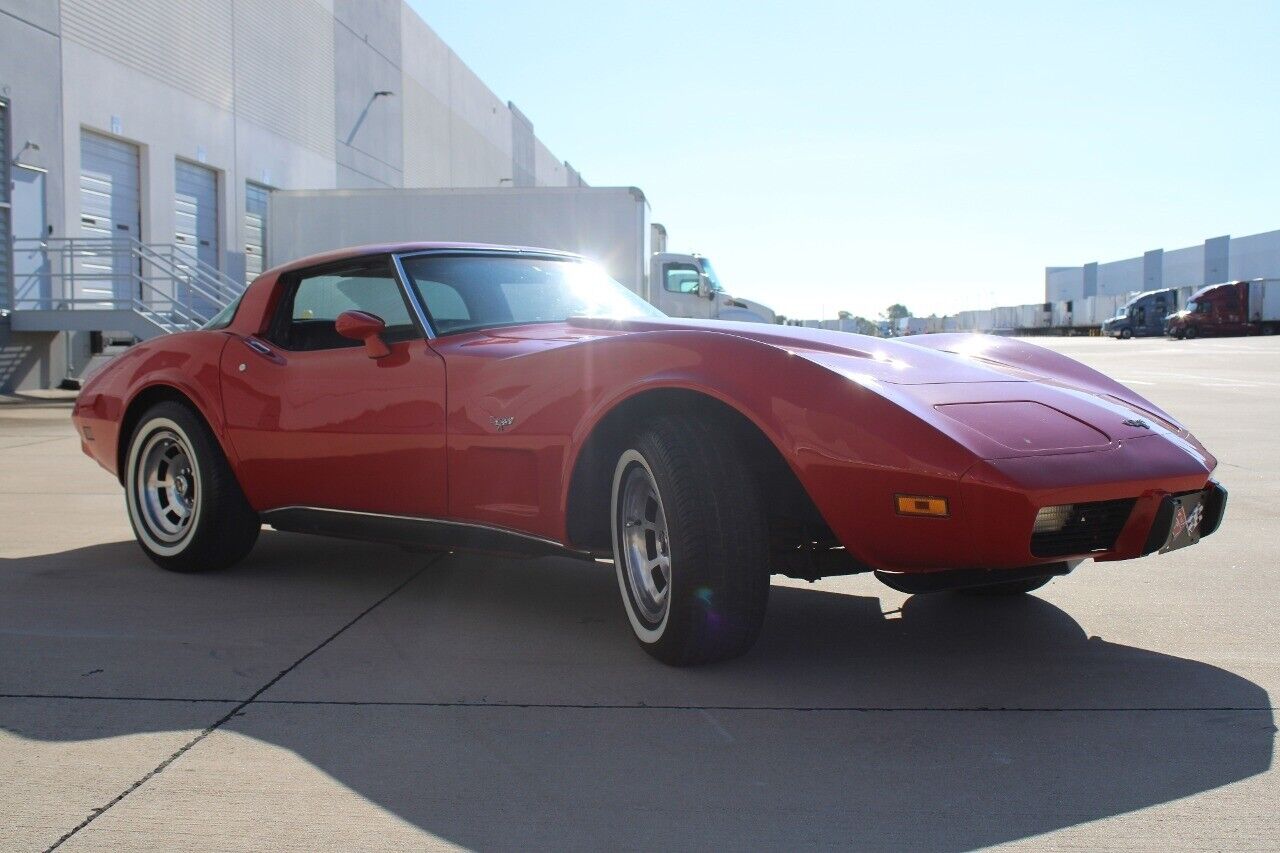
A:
x,y
1137,422
501,424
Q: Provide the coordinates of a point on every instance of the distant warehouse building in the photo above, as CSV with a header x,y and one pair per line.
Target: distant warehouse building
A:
x,y
1216,260
140,143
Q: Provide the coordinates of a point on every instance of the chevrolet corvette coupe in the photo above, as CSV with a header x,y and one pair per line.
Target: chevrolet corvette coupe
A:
x,y
519,401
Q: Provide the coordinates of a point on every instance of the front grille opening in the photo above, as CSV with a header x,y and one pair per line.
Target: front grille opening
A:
x,y
1087,528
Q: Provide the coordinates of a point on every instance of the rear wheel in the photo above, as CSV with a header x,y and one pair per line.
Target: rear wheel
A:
x,y
690,543
1011,588
185,505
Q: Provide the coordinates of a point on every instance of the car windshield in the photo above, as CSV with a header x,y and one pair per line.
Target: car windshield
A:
x,y
467,292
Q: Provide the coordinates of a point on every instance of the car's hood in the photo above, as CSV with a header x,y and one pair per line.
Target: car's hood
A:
x,y
999,397
859,357
1066,405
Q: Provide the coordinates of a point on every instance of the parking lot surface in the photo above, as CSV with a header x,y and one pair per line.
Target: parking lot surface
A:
x,y
337,695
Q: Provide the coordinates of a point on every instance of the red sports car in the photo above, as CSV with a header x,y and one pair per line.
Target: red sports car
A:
x,y
519,401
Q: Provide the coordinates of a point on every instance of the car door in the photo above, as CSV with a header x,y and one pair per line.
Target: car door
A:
x,y
317,422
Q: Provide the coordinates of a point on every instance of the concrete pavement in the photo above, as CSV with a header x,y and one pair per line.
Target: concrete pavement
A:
x,y
334,695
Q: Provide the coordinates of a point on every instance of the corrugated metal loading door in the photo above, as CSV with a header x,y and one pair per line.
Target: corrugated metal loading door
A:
x,y
6,289
195,215
195,211
256,198
109,208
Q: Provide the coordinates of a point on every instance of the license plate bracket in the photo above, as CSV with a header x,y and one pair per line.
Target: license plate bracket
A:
x,y
1184,526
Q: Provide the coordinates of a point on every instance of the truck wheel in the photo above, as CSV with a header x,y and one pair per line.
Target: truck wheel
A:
x,y
185,505
1192,332
1125,334
690,543
1011,588
1268,330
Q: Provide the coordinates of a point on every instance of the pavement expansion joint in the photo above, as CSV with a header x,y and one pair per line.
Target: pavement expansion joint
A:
x,y
238,709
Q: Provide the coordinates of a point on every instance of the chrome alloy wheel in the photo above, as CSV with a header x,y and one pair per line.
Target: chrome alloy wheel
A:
x,y
166,487
643,544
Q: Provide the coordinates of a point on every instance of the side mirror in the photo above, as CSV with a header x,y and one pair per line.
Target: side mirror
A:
x,y
704,287
366,327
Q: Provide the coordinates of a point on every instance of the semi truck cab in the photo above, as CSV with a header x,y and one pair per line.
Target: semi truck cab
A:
x,y
1144,314
1220,309
687,286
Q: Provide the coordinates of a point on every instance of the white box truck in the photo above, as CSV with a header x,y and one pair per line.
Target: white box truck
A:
x,y
609,225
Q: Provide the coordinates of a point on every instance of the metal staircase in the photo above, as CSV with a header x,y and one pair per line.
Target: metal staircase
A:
x,y
116,284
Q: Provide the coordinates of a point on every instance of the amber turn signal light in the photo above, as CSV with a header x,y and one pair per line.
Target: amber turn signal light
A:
x,y
922,505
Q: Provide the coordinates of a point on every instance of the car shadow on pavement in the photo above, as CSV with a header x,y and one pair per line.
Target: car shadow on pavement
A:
x,y
503,704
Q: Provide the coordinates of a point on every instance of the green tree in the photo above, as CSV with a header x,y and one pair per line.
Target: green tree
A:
x,y
896,312
863,326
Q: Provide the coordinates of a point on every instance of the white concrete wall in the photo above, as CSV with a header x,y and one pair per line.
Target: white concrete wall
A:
x,y
550,172
1255,256
428,156
480,145
1063,283
457,132
1183,267
1120,277
368,128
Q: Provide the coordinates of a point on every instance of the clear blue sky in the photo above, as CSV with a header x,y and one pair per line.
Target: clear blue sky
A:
x,y
845,155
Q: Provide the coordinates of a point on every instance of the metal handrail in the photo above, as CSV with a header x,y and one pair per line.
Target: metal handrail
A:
x,y
175,262
165,283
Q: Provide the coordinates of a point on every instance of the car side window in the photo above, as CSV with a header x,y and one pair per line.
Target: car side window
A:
x,y
680,278
306,319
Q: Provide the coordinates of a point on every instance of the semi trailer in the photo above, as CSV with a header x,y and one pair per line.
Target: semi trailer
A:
x,y
610,225
1231,308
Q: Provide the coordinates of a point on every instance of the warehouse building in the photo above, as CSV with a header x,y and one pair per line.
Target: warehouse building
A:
x,y
140,142
1215,260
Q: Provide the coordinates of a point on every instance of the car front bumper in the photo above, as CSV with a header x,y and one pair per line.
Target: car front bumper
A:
x,y
995,503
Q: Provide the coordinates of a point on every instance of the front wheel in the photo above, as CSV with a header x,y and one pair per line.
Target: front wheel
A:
x,y
1192,332
690,543
1125,334
184,502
